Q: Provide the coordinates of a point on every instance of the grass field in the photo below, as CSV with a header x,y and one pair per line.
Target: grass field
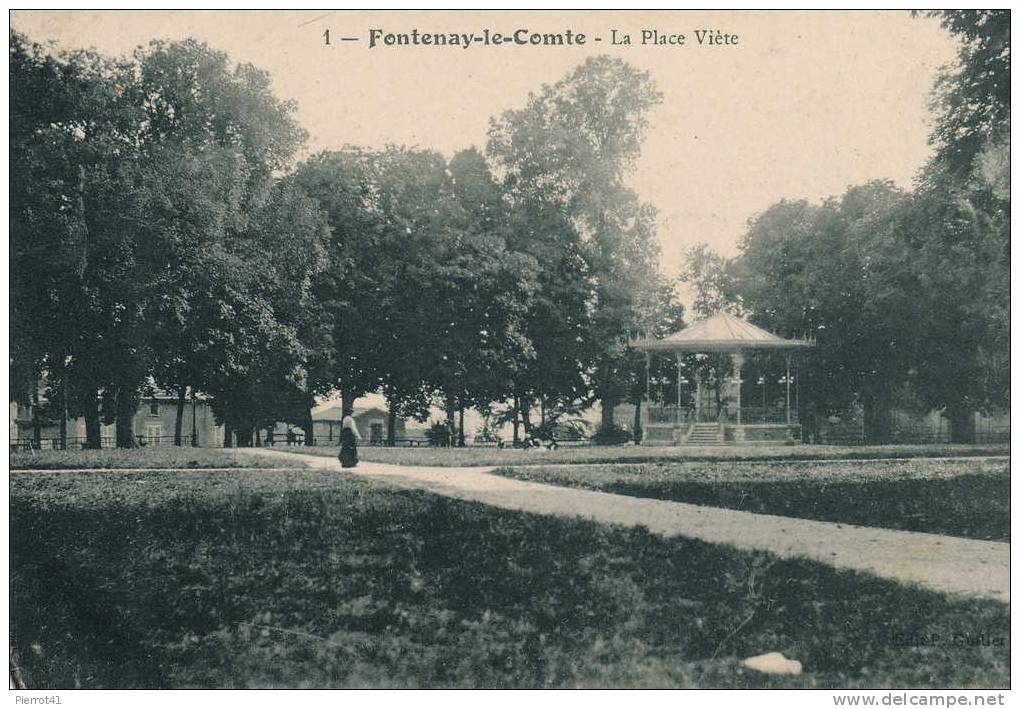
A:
x,y
959,497
459,457
294,578
168,457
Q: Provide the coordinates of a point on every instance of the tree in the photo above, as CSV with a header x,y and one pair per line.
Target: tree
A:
x,y
663,315
836,272
971,100
191,207
215,133
959,258
959,229
489,292
565,155
273,330
421,290
344,184
138,178
558,320
902,292
71,138
710,275
415,323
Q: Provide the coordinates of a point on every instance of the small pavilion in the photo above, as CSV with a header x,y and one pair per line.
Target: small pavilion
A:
x,y
694,421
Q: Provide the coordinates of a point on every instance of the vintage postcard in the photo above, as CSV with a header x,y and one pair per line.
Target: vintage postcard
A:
x,y
510,350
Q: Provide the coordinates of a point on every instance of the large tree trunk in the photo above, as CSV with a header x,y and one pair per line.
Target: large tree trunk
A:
x,y
460,429
877,418
124,415
517,420
228,435
244,435
526,417
608,418
93,426
609,394
179,421
308,425
36,418
638,433
391,424
451,419
64,391
961,423
194,421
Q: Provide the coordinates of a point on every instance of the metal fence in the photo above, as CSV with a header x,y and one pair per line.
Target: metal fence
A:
x,y
846,431
80,442
299,440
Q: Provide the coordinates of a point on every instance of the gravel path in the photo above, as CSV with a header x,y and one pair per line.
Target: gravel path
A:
x,y
948,564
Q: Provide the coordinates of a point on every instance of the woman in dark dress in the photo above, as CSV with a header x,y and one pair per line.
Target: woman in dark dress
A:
x,y
349,438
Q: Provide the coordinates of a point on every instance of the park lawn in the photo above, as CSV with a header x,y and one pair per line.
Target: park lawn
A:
x,y
959,497
586,454
168,457
299,578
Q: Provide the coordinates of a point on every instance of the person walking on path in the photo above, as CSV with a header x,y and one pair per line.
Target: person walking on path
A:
x,y
349,438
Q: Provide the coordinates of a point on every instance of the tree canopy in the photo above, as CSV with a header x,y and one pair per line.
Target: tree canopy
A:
x,y
163,236
906,293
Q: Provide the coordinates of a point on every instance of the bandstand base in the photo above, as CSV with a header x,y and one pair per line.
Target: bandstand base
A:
x,y
731,434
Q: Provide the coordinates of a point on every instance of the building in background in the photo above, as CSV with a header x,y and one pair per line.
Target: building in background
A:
x,y
153,424
370,420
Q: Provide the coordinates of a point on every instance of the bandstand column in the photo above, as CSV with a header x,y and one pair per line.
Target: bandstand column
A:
x,y
648,391
697,395
788,418
738,362
648,375
679,385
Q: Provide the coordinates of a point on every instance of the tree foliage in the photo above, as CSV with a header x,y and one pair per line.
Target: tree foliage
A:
x,y
905,293
563,159
142,185
971,100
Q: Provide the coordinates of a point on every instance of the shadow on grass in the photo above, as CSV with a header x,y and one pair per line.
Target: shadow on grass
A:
x,y
633,455
975,506
161,457
307,579
958,497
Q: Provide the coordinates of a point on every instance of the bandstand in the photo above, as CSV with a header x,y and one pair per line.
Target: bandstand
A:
x,y
694,419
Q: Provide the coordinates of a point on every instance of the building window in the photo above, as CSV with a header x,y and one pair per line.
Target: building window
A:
x,y
154,408
153,433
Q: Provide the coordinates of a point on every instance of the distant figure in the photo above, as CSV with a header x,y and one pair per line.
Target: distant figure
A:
x,y
349,438
290,436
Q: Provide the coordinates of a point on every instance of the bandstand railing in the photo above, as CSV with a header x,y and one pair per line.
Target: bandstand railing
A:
x,y
659,414
758,415
665,415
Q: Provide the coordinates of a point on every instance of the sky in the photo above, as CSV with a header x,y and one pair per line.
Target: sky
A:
x,y
805,104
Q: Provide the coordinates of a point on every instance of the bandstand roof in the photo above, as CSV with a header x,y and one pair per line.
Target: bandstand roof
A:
x,y
721,332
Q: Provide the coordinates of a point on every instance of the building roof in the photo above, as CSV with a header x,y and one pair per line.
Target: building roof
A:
x,y
334,413
721,332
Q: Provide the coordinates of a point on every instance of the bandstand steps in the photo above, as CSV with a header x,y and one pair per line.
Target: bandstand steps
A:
x,y
705,434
